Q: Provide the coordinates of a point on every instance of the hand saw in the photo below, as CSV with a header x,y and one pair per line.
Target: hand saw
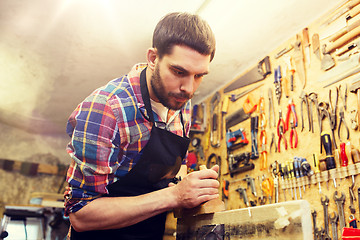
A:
x,y
256,74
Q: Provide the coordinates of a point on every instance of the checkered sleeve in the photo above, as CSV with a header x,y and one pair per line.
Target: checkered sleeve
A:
x,y
94,149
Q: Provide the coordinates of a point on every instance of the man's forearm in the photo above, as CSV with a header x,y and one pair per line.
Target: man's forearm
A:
x,y
118,212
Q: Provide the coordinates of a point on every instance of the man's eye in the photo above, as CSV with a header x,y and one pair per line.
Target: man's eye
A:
x,y
178,72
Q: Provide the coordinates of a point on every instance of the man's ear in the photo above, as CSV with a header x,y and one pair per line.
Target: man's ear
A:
x,y
151,58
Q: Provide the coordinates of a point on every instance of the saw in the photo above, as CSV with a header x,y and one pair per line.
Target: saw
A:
x,y
256,74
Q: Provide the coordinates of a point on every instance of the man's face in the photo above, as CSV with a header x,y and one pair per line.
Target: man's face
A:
x,y
177,76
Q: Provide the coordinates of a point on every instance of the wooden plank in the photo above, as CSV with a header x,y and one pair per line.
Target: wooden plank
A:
x,y
262,222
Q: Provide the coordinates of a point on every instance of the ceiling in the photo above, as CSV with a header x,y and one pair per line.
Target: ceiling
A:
x,y
54,53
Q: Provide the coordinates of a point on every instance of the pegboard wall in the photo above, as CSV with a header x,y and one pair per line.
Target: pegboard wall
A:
x,y
317,69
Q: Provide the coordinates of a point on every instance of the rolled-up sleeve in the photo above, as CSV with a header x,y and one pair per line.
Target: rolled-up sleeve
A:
x,y
94,150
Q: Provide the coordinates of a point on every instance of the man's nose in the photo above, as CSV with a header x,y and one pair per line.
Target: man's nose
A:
x,y
187,84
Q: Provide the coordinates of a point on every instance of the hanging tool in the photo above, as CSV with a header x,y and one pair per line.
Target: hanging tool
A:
x,y
344,6
347,28
284,50
342,122
324,113
330,161
333,220
263,137
235,97
224,110
277,82
225,192
199,118
291,113
304,100
333,108
282,175
254,131
256,74
354,88
275,174
273,142
344,70
327,61
267,186
296,165
332,46
352,221
306,43
240,163
263,154
236,139
262,198
313,214
271,107
287,177
343,96
316,45
243,195
291,70
317,170
281,131
290,166
250,183
340,206
299,61
236,118
352,199
293,136
215,100
325,204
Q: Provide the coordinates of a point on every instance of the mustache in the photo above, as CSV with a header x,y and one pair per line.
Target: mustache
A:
x,y
181,95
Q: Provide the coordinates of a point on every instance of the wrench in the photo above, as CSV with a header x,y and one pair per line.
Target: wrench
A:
x,y
313,214
340,206
325,203
334,219
352,199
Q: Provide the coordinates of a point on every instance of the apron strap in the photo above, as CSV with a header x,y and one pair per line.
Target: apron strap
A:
x,y
146,98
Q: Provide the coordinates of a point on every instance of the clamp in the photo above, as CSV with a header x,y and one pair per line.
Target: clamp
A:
x,y
342,122
281,131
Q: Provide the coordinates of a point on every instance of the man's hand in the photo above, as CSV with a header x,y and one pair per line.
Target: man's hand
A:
x,y
197,187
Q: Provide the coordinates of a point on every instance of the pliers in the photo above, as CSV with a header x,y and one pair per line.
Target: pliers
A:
x,y
304,100
344,96
342,120
280,131
293,136
333,108
291,110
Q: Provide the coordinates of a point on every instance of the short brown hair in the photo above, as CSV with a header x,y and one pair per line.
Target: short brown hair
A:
x,y
183,29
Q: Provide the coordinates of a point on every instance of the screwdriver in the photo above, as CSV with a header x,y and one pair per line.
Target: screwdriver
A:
x,y
307,171
283,186
297,173
330,160
317,170
292,176
344,159
288,183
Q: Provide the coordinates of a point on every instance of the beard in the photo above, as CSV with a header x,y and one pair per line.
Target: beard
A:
x,y
162,95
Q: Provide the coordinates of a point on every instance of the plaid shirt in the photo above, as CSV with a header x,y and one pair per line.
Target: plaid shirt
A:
x,y
108,130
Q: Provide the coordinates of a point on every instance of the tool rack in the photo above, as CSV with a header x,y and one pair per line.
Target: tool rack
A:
x,y
304,69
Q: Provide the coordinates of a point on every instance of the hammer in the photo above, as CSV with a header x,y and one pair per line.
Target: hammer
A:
x,y
354,88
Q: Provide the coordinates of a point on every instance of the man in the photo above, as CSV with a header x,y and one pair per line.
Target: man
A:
x,y
130,140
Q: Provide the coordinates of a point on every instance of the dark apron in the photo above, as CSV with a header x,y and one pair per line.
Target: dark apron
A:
x,y
160,161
